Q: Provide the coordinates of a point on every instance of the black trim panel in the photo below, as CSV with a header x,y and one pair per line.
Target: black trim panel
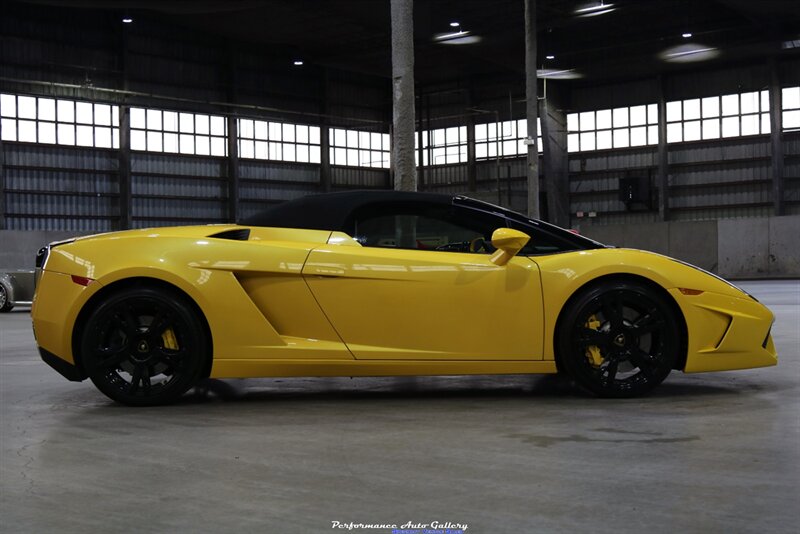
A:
x,y
65,369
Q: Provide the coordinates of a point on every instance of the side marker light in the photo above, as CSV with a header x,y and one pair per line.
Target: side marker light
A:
x,y
82,280
690,292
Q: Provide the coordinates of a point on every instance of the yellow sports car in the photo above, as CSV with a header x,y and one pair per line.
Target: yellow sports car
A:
x,y
381,283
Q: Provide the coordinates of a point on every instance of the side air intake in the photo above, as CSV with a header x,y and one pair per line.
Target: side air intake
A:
x,y
239,234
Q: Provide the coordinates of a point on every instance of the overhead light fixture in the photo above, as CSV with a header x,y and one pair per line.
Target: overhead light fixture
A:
x,y
298,62
455,24
593,9
460,37
127,20
689,53
686,35
550,57
558,74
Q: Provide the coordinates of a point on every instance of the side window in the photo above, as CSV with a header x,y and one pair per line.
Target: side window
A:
x,y
541,242
438,228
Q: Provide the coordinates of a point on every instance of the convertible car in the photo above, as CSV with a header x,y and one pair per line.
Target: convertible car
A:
x,y
381,283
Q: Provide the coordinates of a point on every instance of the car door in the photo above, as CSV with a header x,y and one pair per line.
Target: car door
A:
x,y
418,284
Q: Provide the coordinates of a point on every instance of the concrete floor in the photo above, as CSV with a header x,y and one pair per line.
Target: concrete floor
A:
x,y
706,453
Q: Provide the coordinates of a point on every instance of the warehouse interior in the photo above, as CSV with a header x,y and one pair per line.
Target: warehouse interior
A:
x,y
666,125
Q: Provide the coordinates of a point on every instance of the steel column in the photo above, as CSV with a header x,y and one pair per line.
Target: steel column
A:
x,y
405,176
663,155
532,98
776,138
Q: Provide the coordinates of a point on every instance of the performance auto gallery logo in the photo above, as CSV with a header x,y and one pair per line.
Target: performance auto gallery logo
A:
x,y
434,527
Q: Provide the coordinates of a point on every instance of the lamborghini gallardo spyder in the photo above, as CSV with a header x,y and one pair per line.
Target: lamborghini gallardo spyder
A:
x,y
381,283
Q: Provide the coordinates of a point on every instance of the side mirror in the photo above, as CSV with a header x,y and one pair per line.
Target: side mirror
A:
x,y
508,242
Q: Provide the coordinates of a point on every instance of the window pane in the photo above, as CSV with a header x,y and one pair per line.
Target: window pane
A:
x,y
202,125
510,148
352,141
363,141
387,142
288,135
491,131
572,122
302,153
246,129
171,124
262,148
480,132
102,114
276,153
66,134
302,135
187,126
288,151
376,141
765,126
276,132
711,107
572,143
352,157
47,132
652,114
621,139
791,98
638,115
711,129
691,131
674,111
691,109
8,105
674,132
791,119
154,140
246,148
170,142
218,147
84,136
451,136
26,107
26,131
480,150
730,125
186,142
587,123
749,103
604,139
137,118
765,101
652,135
639,136
749,124
83,114
47,109
115,115
260,129
102,136
66,111
218,126
314,154
8,130
202,144
730,105
603,120
522,128
114,137
587,140
138,140
154,121
438,137
620,118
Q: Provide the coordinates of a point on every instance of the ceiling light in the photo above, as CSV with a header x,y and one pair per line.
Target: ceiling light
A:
x,y
596,8
460,37
127,20
455,24
689,53
298,62
686,35
558,74
549,57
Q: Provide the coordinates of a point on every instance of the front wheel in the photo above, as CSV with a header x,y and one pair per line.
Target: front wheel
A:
x,y
144,346
619,339
5,299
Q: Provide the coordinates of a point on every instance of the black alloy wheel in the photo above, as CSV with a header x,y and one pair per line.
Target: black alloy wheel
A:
x,y
144,346
619,339
5,301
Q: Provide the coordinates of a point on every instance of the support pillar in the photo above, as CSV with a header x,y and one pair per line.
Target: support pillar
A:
x,y
556,161
532,98
776,138
233,168
124,169
663,155
405,176
325,179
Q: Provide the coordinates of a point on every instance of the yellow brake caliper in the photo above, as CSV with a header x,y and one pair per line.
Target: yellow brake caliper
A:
x,y
170,342
593,353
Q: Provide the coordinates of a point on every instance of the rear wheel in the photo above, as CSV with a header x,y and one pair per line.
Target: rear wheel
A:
x,y
619,339
144,346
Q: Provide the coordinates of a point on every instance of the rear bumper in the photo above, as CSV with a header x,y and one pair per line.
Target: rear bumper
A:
x,y
65,369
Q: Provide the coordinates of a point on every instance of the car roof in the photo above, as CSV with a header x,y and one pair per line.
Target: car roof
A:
x,y
330,211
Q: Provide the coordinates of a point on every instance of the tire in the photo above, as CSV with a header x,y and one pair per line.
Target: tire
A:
x,y
144,346
618,339
5,299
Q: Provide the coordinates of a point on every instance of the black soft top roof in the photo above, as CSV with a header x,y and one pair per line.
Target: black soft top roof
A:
x,y
330,211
